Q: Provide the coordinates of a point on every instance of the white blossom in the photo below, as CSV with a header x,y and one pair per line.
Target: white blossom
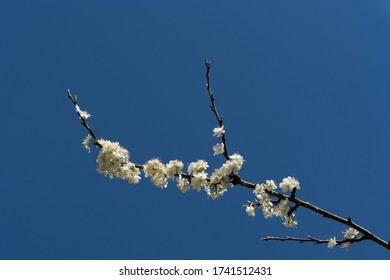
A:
x,y
130,173
289,222
83,114
173,168
182,184
289,183
87,143
270,185
265,201
198,167
346,245
216,193
219,149
332,242
198,181
220,177
113,161
157,172
233,165
350,233
250,210
283,208
218,131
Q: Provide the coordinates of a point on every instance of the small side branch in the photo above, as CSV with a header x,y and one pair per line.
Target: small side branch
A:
x,y
314,240
214,108
83,121
346,221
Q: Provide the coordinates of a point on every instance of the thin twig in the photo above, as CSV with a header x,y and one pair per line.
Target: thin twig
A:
x,y
84,122
214,107
314,240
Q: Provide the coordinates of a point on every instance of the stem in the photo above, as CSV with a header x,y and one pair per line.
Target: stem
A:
x,y
214,107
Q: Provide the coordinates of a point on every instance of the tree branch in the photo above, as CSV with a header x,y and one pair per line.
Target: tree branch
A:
x,y
314,240
346,221
214,107
83,121
237,180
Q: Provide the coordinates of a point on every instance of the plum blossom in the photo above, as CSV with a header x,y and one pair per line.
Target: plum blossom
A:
x,y
83,114
219,149
173,168
332,242
157,172
198,181
350,233
218,131
113,161
270,185
216,193
289,183
198,167
182,184
250,210
87,143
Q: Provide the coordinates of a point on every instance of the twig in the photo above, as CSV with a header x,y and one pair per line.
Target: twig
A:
x,y
84,122
214,108
314,240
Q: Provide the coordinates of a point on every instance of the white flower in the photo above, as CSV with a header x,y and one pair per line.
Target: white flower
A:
x,y
250,210
111,157
283,208
289,222
346,245
332,242
270,185
153,167
198,181
350,233
182,184
156,170
218,131
218,191
198,167
113,161
83,114
220,177
233,165
219,149
289,184
130,173
265,201
173,168
87,143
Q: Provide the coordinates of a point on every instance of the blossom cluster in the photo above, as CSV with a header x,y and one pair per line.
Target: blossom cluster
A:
x,y
113,162
274,208
349,234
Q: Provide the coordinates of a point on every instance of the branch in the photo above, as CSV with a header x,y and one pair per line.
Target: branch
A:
x,y
314,240
235,179
83,121
346,221
214,108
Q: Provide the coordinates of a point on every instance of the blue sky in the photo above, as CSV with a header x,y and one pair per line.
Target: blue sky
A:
x,y
303,87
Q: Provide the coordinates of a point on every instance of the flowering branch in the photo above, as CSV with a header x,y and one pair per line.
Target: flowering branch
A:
x,y
83,115
332,242
367,235
114,162
214,109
